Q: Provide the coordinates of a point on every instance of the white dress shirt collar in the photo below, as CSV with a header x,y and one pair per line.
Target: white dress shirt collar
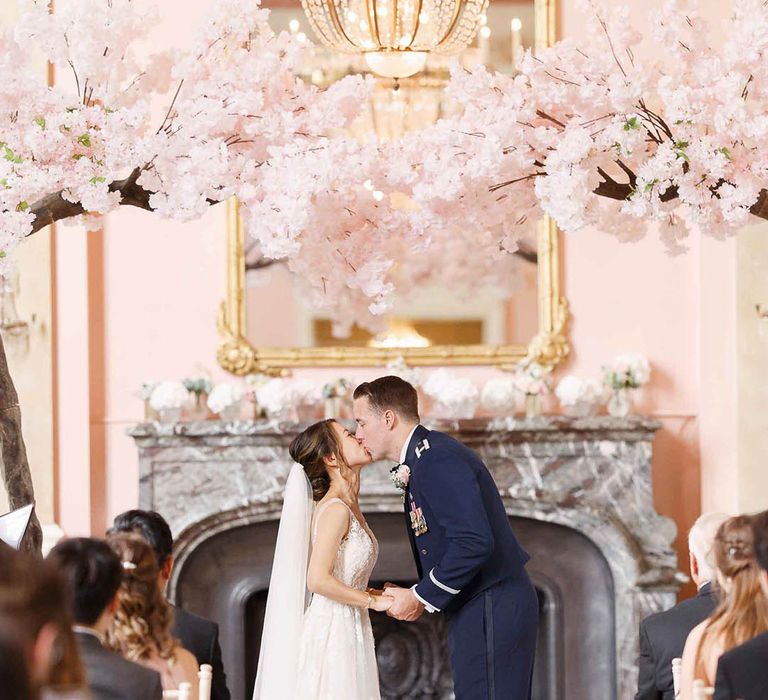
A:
x,y
88,630
404,451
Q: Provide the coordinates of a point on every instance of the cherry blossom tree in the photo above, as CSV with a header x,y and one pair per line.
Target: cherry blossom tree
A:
x,y
94,141
587,132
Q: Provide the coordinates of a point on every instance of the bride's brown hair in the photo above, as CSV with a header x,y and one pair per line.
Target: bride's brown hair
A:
x,y
743,612
311,448
143,619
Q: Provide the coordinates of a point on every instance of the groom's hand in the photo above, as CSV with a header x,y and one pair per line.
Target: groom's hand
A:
x,y
406,606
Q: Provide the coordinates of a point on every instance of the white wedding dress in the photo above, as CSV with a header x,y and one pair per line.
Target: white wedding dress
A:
x,y
337,659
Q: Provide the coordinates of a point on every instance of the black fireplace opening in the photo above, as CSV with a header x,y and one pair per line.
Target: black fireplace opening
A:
x,y
226,579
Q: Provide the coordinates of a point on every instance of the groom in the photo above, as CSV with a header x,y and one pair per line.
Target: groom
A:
x,y
469,562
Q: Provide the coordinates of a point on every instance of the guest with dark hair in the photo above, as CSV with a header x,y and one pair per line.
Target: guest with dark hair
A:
x,y
198,635
15,679
34,611
742,672
93,574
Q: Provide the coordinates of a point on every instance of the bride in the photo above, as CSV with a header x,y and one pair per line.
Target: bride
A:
x,y
324,556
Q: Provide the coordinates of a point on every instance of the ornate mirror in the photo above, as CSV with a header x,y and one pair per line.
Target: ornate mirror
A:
x,y
265,323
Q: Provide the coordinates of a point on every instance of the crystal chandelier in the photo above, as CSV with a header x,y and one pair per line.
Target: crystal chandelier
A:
x,y
397,106
14,331
395,36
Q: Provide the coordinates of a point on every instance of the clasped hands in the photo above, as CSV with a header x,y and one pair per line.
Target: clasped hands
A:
x,y
402,603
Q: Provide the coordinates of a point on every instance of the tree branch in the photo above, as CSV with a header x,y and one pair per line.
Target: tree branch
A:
x,y
54,207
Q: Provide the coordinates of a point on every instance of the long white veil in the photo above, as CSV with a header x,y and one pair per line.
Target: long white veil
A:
x,y
288,595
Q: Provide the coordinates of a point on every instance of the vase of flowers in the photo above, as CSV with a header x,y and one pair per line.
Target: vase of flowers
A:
x,y
168,399
198,388
531,382
579,397
227,400
145,394
499,395
334,394
279,399
622,377
454,396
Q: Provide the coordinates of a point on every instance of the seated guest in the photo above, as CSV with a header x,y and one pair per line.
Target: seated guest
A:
x,y
15,678
742,673
93,574
663,635
741,615
33,609
141,627
198,635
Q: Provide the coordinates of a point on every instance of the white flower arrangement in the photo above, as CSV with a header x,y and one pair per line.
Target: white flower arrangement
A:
x,y
145,392
572,390
530,379
224,395
400,368
168,395
499,394
279,395
627,371
337,389
457,396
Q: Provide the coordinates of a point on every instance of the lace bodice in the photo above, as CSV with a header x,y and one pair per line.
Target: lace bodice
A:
x,y
357,553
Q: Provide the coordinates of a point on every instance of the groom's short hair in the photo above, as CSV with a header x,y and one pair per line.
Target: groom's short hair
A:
x,y
390,394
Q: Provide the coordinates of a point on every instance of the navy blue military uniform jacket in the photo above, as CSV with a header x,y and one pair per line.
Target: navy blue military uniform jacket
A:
x,y
461,538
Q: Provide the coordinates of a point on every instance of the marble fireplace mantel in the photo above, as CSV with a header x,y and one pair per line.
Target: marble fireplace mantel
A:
x,y
592,475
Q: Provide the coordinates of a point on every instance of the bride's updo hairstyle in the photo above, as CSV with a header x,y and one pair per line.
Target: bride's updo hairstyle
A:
x,y
311,448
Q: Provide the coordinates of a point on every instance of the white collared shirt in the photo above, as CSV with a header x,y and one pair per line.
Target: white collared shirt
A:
x,y
88,630
404,451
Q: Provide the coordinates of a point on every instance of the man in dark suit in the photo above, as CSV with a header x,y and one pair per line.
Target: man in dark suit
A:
x,y
469,563
197,635
93,573
742,672
663,635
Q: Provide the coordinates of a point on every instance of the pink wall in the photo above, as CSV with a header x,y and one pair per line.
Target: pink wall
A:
x,y
162,283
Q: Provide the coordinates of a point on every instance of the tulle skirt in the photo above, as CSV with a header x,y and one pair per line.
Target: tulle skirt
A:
x,y
337,660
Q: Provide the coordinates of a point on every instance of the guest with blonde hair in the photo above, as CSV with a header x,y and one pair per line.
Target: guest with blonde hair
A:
x,y
742,673
742,613
141,629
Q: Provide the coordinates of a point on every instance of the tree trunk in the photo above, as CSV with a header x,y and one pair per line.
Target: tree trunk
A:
x,y
13,456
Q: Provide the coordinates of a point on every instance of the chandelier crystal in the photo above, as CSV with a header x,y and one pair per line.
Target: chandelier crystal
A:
x,y
395,36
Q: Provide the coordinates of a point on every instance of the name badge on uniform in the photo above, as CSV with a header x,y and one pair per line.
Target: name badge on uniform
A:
x,y
418,521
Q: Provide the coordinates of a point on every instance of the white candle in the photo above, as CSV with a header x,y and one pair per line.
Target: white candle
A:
x,y
517,42
484,44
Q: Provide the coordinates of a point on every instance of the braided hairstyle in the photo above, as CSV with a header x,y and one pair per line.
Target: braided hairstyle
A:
x,y
743,611
143,620
311,448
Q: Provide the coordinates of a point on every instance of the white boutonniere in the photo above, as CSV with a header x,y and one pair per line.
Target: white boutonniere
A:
x,y
400,475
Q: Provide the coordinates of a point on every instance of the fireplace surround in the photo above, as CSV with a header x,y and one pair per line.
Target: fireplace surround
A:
x,y
578,494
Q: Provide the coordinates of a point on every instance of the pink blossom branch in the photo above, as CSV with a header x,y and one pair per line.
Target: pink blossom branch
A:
x,y
54,207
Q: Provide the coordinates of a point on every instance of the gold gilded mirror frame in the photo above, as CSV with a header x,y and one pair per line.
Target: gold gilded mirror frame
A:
x,y
548,347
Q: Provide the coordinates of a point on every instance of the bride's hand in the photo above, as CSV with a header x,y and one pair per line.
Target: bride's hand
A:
x,y
375,591
381,603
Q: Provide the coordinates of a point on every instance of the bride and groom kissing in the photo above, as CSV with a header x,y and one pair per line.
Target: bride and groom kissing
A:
x,y
317,642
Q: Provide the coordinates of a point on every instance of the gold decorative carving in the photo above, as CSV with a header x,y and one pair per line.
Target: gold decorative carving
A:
x,y
548,347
